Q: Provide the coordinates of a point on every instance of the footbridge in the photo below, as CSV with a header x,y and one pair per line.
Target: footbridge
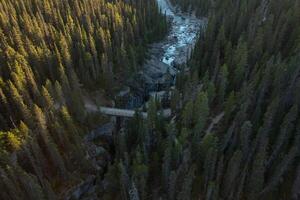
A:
x,y
117,112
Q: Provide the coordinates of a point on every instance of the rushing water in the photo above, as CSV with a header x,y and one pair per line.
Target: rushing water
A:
x,y
182,36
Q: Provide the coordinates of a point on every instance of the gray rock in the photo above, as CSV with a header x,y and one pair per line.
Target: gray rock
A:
x,y
105,131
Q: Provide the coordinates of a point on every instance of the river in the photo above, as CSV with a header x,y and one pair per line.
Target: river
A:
x,y
183,34
159,72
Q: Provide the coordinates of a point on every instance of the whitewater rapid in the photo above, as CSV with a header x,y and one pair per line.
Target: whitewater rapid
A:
x,y
182,36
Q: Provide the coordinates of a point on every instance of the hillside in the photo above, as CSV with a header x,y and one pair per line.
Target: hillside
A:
x,y
51,53
199,99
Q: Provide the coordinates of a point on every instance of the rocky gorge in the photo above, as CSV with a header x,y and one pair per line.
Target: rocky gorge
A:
x,y
156,79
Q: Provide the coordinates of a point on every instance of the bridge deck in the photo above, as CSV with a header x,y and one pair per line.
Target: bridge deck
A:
x,y
120,112
123,112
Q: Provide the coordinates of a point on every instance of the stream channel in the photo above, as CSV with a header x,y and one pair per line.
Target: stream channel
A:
x,y
158,75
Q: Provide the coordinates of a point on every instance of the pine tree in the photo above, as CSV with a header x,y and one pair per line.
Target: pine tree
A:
x,y
59,93
256,178
186,190
223,84
124,181
47,99
285,133
172,185
166,166
175,100
51,148
210,166
187,114
240,60
152,113
201,108
24,110
211,92
232,172
245,137
229,106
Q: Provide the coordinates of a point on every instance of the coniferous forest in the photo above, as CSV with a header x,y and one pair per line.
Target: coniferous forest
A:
x,y
50,51
233,132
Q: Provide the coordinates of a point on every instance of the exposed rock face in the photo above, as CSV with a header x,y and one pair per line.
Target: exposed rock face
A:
x,y
105,132
99,155
100,158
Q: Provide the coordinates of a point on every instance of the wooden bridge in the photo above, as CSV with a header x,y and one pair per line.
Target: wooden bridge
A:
x,y
123,112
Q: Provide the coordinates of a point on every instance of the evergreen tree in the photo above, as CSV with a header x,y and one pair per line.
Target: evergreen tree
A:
x,y
187,114
223,84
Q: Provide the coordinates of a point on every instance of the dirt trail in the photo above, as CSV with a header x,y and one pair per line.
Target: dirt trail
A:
x,y
214,122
